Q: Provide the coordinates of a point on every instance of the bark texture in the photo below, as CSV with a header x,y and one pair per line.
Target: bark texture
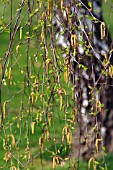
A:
x,y
92,85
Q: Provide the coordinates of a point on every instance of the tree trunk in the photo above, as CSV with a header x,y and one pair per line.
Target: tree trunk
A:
x,y
93,87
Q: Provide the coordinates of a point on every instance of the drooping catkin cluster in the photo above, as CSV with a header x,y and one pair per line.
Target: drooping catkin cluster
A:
x,y
56,160
67,134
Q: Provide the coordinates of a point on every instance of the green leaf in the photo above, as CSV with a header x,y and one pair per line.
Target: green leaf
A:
x,y
90,4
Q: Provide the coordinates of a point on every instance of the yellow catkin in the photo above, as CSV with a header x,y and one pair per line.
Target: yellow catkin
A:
x,y
106,62
41,144
66,75
111,71
10,75
48,135
102,28
74,43
96,143
64,91
42,34
60,101
40,117
89,163
31,98
105,56
47,65
29,155
13,167
66,70
7,156
63,134
67,11
20,33
4,109
65,131
98,104
74,115
69,138
17,47
50,9
4,144
13,141
57,160
111,51
94,165
54,162
32,127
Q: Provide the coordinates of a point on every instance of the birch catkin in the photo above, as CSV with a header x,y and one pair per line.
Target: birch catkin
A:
x,y
54,162
98,104
4,109
96,143
74,43
89,163
60,101
111,71
41,144
10,75
102,29
50,9
32,127
20,33
13,141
